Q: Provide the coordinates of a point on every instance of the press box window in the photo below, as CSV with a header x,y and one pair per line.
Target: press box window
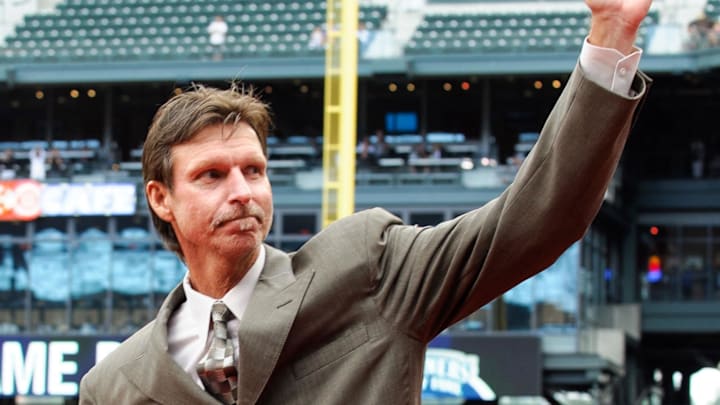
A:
x,y
401,121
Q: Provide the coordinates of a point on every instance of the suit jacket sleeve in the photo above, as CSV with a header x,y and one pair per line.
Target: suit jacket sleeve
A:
x,y
425,279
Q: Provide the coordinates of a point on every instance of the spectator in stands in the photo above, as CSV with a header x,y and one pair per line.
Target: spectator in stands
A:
x,y
365,153
382,149
38,158
317,38
714,35
218,29
437,151
418,152
8,166
58,168
364,37
349,315
699,31
7,157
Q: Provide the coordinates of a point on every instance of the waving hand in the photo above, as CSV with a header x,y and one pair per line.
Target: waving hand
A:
x,y
615,22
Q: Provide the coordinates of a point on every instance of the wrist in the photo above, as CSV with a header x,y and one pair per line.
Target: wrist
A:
x,y
613,33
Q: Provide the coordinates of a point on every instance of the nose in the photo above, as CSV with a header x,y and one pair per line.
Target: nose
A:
x,y
238,187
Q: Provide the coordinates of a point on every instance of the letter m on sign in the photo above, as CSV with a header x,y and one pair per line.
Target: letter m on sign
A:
x,y
19,370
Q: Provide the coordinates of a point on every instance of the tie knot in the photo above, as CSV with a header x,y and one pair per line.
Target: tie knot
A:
x,y
220,312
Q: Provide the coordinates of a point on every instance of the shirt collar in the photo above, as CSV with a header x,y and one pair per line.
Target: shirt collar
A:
x,y
236,299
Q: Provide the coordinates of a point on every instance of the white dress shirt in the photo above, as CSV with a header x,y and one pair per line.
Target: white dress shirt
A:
x,y
189,327
609,67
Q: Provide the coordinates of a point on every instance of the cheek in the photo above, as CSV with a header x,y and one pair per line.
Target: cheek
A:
x,y
266,203
195,213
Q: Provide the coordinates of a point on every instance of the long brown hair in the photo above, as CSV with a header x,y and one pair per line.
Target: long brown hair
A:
x,y
181,118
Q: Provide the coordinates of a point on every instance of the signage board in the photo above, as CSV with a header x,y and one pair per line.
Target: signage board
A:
x,y
81,199
483,366
19,200
26,200
473,367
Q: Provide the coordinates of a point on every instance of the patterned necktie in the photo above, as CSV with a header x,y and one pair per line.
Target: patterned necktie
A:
x,y
217,371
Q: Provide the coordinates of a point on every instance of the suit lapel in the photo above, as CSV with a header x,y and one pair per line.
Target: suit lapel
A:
x,y
155,373
267,322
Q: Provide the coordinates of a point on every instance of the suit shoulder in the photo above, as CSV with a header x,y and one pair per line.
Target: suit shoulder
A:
x,y
372,218
363,225
354,235
127,351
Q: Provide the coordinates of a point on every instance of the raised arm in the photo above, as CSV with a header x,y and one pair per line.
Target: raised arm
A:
x,y
428,278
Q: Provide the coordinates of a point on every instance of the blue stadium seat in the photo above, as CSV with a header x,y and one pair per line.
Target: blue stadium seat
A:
x,y
131,262
168,271
92,262
48,262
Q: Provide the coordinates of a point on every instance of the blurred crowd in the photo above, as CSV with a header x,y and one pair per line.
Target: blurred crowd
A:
x,y
703,32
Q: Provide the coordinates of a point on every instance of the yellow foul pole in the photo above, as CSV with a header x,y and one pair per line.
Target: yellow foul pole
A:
x,y
340,113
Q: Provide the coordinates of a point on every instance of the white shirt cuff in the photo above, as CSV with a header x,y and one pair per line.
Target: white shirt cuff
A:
x,y
609,67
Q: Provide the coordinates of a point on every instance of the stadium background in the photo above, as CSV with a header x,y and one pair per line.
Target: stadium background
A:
x,y
626,315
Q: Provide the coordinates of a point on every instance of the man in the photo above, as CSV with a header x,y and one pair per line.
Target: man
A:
x,y
347,317
217,29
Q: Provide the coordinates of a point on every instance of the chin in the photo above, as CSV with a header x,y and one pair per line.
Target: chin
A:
x,y
243,246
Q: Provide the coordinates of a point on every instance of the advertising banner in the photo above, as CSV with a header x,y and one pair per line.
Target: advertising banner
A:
x,y
483,367
472,367
70,199
38,366
26,200
19,200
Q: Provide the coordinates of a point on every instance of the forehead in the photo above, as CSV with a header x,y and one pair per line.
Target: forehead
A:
x,y
219,138
217,143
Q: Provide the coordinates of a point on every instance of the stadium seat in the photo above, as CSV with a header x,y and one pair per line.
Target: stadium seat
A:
x,y
534,31
103,20
168,270
92,262
48,262
131,262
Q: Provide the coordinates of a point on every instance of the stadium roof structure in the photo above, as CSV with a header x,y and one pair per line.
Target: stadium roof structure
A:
x,y
19,74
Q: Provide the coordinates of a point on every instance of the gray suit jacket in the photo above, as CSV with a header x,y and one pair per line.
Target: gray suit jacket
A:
x,y
347,318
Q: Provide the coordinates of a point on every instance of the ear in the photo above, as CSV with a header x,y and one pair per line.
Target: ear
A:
x,y
158,195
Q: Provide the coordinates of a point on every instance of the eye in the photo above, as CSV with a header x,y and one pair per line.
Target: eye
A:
x,y
211,174
253,170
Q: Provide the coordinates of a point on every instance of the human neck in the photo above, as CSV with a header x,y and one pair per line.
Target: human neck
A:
x,y
215,276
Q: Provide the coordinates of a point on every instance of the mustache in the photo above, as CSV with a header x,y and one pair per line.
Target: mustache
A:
x,y
245,211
